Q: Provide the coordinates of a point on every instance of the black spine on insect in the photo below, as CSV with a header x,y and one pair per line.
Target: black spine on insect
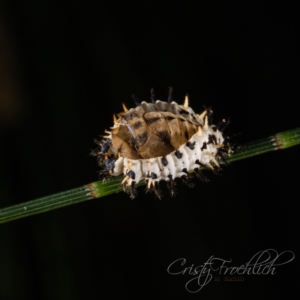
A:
x,y
209,114
200,175
198,162
136,100
107,168
155,189
109,164
222,157
171,184
212,139
98,152
152,96
105,174
187,179
131,190
106,162
170,95
105,146
221,126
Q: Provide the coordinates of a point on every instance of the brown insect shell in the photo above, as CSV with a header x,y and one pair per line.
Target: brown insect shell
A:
x,y
153,130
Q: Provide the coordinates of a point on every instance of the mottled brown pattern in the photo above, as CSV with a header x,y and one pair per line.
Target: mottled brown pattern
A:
x,y
150,134
121,142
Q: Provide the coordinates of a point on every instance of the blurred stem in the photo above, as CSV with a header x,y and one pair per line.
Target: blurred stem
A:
x,y
100,189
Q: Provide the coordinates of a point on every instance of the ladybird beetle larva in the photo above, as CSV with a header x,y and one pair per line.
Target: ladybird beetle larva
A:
x,y
160,140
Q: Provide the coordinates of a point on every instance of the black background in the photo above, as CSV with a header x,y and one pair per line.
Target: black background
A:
x,y
67,66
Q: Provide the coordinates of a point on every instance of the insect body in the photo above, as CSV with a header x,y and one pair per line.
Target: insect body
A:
x,y
160,141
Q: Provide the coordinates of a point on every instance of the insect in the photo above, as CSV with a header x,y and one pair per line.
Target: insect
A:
x,y
160,141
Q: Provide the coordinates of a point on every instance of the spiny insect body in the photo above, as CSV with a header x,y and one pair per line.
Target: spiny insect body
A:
x,y
160,140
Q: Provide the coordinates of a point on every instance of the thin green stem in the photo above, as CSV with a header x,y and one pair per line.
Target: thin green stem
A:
x,y
274,142
99,189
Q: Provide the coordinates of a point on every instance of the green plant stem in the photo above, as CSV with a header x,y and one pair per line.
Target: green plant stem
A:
x,y
274,142
99,189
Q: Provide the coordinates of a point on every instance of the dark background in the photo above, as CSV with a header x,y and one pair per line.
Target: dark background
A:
x,y
66,67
